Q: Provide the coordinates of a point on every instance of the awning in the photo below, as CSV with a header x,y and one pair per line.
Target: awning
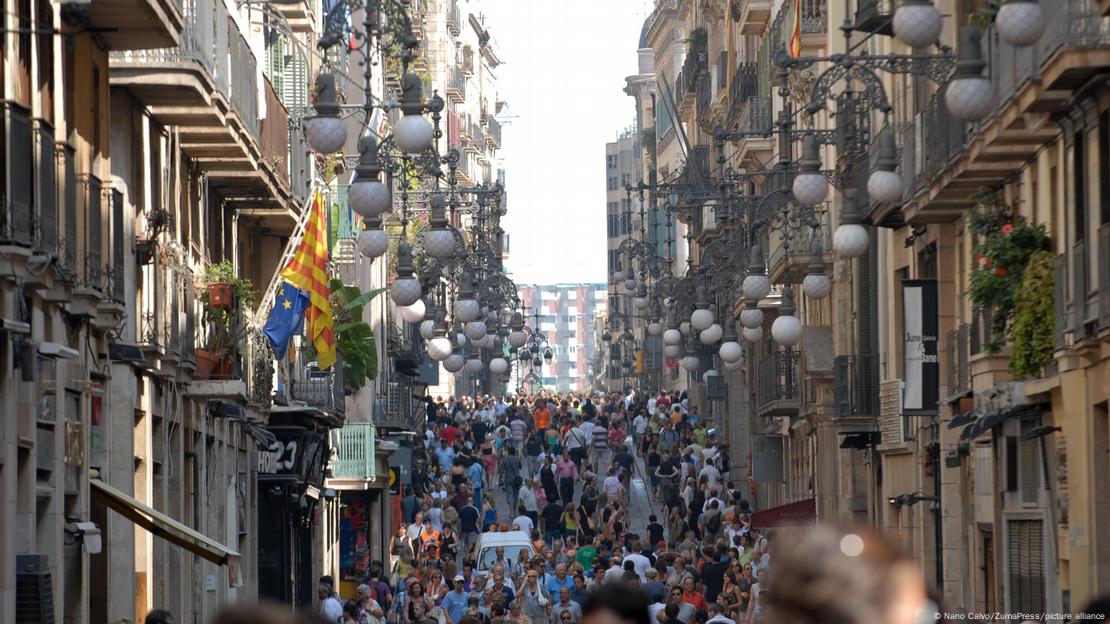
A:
x,y
790,514
165,527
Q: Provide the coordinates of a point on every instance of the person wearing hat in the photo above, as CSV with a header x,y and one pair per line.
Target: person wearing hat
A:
x,y
455,601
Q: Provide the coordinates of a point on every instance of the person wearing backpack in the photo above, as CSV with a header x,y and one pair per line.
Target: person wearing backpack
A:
x,y
379,589
711,523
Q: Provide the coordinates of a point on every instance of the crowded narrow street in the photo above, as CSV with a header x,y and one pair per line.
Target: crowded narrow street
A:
x,y
573,312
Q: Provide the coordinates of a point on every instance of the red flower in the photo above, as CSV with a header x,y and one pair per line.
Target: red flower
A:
x,y
1000,272
1006,229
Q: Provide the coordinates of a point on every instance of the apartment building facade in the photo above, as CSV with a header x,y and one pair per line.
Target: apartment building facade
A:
x,y
565,314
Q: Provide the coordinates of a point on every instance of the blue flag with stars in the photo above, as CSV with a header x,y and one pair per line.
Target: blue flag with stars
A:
x,y
286,318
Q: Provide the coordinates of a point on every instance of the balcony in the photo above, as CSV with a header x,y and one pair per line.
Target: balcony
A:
x,y
875,16
778,389
396,409
454,17
754,15
755,121
493,137
279,171
456,85
704,96
355,453
1082,301
133,25
300,14
856,393
1031,84
744,87
244,375
18,213
789,252
815,17
208,88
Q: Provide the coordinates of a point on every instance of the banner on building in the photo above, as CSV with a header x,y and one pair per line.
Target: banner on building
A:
x,y
920,328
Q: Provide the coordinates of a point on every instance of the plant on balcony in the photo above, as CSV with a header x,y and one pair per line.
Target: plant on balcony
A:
x,y
698,41
1032,330
647,142
354,338
223,288
224,298
1004,245
983,16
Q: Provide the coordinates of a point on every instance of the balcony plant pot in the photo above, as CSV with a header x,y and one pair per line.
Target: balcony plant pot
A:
x,y
207,362
221,294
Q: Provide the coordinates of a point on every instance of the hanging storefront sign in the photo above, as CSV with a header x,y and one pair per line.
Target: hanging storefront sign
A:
x,y
920,328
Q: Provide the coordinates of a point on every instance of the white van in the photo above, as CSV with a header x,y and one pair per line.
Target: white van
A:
x,y
517,544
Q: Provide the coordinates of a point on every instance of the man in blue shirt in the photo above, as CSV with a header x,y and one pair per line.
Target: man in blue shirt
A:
x,y
454,603
559,580
476,473
445,456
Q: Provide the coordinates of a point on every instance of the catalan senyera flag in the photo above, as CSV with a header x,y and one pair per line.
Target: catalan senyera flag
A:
x,y
796,30
308,271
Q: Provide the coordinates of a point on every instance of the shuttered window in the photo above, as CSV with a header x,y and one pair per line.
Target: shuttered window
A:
x,y
1026,584
1029,466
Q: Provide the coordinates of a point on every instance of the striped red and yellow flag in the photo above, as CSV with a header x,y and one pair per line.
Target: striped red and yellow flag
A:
x,y
308,271
796,31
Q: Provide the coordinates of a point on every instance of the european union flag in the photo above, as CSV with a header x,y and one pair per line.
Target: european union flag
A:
x,y
286,318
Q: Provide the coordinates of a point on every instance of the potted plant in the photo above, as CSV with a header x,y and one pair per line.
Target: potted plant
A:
x,y
221,327
354,338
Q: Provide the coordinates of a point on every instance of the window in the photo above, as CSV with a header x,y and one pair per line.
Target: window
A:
x,y
612,186
610,161
1026,565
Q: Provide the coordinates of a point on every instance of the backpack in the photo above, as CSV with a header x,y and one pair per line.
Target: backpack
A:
x,y
713,524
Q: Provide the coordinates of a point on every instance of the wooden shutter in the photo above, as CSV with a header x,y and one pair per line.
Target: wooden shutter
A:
x,y
119,245
1079,289
1059,300
1029,464
866,303
841,395
1104,275
1026,583
1011,463
294,93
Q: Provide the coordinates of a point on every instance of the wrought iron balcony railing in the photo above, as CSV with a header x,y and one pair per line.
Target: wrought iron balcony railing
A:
x,y
778,390
815,16
856,386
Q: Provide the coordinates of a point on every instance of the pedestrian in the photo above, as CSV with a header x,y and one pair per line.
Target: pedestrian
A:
x,y
330,607
616,604
454,603
535,601
159,616
567,472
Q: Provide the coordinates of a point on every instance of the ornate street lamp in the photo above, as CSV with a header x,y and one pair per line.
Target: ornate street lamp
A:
x,y
406,288
787,329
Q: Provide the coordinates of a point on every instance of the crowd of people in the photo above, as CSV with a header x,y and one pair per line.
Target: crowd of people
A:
x,y
561,469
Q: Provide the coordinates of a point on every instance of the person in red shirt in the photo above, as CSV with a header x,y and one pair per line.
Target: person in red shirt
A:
x,y
693,596
449,433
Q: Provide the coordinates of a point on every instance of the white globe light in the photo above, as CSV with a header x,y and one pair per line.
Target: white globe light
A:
x,y
630,284
731,351
701,319
884,187
752,334
373,243
369,198
711,334
517,338
467,310
405,291
325,134
816,286
672,337
969,99
736,365
810,188
413,134
414,312
654,328
917,24
1020,23
473,365
476,330
618,276
454,363
672,351
684,328
787,330
751,317
427,329
640,303
690,363
850,240
756,286
439,243
439,348
499,366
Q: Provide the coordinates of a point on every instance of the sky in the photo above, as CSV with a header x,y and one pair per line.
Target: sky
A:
x,y
563,71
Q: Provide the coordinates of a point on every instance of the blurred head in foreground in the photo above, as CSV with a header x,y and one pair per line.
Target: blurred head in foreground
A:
x,y
822,575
